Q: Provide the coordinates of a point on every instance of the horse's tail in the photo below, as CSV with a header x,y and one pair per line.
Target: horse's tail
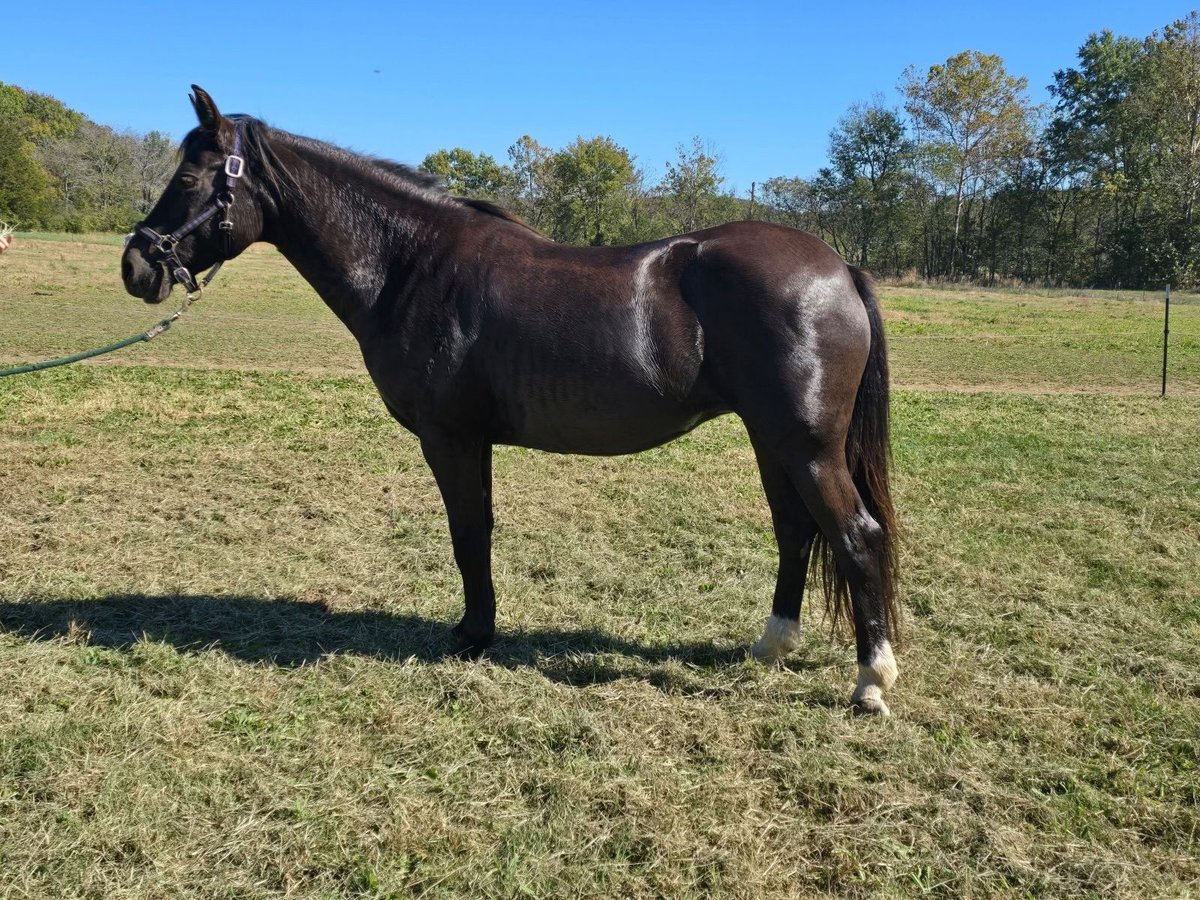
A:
x,y
868,456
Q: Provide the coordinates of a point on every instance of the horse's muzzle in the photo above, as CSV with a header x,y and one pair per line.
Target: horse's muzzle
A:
x,y
143,278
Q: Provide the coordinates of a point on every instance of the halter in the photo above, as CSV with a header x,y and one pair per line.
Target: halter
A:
x,y
166,244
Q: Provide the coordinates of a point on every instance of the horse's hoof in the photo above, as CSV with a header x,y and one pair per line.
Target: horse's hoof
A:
x,y
467,647
780,637
871,706
764,653
873,680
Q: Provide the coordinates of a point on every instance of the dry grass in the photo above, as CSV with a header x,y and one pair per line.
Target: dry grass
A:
x,y
225,586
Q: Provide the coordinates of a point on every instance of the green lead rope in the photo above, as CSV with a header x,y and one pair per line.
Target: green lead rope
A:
x,y
148,335
66,360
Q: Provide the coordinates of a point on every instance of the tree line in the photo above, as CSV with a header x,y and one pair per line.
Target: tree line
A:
x,y
60,171
592,191
969,180
966,179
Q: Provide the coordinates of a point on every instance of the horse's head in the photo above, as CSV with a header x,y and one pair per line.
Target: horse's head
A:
x,y
207,214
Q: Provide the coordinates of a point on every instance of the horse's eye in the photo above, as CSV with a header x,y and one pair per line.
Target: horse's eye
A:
x,y
187,180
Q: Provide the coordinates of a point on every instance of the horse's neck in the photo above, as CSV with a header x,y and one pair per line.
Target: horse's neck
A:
x,y
348,242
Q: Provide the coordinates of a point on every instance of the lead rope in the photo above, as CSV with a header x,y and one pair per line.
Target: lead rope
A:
x,y
147,335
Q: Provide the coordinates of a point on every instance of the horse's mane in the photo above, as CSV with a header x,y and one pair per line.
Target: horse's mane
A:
x,y
495,209
256,147
428,179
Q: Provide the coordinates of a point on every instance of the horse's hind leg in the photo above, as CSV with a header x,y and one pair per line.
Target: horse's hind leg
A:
x,y
795,529
857,543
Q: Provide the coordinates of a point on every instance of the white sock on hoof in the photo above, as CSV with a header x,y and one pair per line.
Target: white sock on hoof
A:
x,y
780,637
874,679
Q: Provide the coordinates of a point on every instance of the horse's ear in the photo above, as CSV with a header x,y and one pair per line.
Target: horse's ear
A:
x,y
206,109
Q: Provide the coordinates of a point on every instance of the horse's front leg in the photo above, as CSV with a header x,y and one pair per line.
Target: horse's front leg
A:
x,y
463,469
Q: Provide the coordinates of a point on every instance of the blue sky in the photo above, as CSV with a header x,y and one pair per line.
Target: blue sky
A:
x,y
762,82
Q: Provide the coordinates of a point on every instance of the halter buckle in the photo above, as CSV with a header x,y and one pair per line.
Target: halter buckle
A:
x,y
234,166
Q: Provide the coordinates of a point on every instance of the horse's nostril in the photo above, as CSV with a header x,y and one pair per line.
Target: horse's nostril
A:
x,y
126,269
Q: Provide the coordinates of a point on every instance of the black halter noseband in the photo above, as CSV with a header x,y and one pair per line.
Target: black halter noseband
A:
x,y
235,167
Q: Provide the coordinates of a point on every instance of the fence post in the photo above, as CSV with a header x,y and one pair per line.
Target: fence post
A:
x,y
1166,331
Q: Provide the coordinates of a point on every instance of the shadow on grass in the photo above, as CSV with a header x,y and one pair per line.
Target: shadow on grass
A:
x,y
289,632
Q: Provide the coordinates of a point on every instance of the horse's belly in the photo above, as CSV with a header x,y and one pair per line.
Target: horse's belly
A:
x,y
599,417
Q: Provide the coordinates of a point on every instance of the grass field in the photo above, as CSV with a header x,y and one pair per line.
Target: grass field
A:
x,y
225,584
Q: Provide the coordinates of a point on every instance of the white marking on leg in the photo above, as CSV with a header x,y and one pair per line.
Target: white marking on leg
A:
x,y
874,679
780,637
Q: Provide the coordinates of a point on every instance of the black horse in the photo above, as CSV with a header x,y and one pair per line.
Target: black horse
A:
x,y
478,331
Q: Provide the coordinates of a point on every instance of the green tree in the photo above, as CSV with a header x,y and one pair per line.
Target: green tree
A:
x,y
1094,124
469,174
106,180
790,201
37,116
25,188
530,164
27,118
1100,139
973,116
869,152
153,161
590,199
692,187
646,217
1172,100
